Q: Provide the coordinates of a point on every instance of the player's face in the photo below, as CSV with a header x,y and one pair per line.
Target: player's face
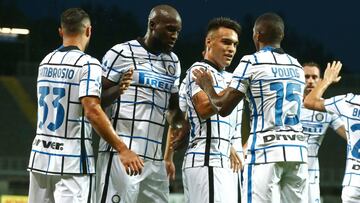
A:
x,y
312,77
221,46
166,32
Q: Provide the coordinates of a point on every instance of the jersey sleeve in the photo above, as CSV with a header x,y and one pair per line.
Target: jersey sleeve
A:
x,y
193,87
175,87
333,104
336,121
90,81
114,65
241,76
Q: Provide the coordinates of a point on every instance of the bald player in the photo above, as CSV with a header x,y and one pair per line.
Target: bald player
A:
x,y
139,115
273,83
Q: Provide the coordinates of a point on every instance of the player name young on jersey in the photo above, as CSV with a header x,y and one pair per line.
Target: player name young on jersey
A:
x,y
273,82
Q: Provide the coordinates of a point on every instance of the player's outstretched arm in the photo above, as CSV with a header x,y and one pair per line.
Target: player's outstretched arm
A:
x,y
99,121
111,90
314,100
225,101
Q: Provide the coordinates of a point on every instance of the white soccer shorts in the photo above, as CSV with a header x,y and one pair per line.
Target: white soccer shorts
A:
x,y
115,186
61,189
209,184
280,182
350,194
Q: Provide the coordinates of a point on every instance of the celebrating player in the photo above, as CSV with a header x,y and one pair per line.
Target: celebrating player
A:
x,y
348,107
273,83
315,124
68,87
139,114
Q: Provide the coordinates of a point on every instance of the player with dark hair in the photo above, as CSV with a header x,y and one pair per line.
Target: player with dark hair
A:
x,y
68,88
273,83
207,176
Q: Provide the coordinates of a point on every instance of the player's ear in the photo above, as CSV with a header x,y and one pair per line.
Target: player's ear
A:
x,y
60,32
151,25
207,43
88,31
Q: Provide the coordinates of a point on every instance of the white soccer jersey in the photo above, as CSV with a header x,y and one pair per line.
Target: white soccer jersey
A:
x,y
315,124
348,107
138,115
210,139
63,142
273,83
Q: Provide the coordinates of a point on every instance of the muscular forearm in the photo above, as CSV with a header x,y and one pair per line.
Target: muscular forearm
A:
x,y
103,127
109,95
169,152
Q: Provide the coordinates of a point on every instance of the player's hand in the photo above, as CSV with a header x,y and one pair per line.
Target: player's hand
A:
x,y
331,74
180,136
132,162
125,81
203,78
170,169
235,161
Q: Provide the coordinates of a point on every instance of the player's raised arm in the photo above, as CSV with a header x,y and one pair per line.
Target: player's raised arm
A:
x,y
314,100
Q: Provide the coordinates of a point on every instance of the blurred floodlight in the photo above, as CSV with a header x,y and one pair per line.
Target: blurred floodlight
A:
x,y
13,31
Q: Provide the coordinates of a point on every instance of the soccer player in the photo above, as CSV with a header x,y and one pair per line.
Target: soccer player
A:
x,y
348,107
273,83
68,87
206,167
315,124
139,114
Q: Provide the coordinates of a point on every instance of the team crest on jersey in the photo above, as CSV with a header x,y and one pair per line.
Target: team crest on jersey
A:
x,y
319,117
115,199
171,69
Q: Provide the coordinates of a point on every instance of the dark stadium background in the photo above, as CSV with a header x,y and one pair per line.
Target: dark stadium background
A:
x,y
316,31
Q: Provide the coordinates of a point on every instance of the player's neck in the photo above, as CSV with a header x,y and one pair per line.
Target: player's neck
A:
x,y
72,41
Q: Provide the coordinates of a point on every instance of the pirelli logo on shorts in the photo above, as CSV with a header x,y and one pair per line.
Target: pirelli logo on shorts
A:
x,y
49,144
283,137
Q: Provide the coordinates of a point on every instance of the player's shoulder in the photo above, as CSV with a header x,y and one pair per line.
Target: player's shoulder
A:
x,y
124,46
87,60
352,98
174,57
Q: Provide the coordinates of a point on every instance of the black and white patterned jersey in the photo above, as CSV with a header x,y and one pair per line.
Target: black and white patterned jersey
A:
x,y
348,108
273,83
63,142
138,115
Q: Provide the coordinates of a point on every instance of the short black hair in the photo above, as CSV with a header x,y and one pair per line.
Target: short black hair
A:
x,y
72,20
271,27
216,23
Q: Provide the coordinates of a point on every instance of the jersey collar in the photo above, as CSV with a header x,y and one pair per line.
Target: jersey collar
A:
x,y
212,65
67,48
273,49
